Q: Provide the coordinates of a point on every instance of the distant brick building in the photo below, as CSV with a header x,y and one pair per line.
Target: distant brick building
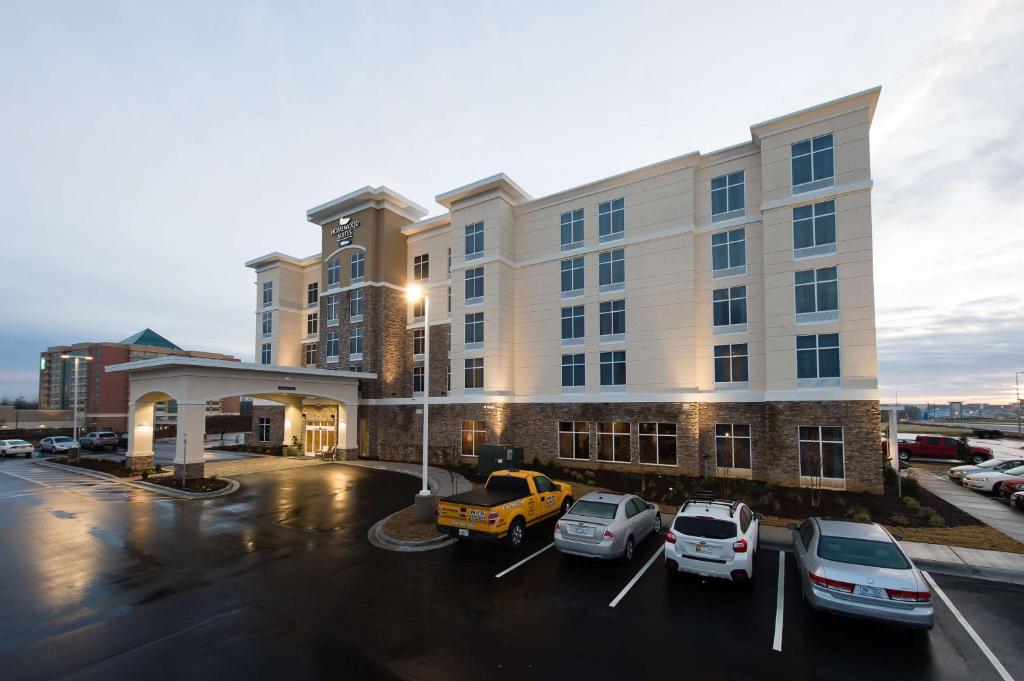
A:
x,y
102,396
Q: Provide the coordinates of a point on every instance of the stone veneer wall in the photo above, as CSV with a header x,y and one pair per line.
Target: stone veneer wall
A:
x,y
276,414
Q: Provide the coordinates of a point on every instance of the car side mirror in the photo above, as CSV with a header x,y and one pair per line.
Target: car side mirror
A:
x,y
791,526
897,537
652,507
757,516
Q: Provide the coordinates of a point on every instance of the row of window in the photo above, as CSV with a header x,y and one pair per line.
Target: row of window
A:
x,y
332,305
612,369
357,269
611,272
816,291
817,356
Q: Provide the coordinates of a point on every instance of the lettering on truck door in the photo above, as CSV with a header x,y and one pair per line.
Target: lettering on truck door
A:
x,y
547,495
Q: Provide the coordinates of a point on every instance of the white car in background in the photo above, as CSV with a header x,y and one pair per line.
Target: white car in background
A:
x,y
989,481
713,538
958,473
16,447
57,443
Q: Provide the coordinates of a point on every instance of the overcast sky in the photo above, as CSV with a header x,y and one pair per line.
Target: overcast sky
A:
x,y
146,152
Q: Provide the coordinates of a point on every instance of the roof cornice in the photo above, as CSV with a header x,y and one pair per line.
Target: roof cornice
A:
x,y
366,197
859,100
511,191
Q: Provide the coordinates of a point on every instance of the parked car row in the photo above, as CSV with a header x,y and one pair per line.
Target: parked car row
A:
x,y
995,476
937,447
100,439
846,567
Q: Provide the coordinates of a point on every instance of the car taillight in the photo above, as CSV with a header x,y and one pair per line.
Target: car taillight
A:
x,y
492,518
558,526
909,596
608,534
740,546
670,538
833,584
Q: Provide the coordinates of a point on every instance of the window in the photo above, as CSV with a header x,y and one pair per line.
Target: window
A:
x,y
658,443
821,451
729,305
357,368
268,293
449,300
421,267
310,352
332,309
474,285
817,291
311,323
813,164
814,230
419,308
449,261
448,377
573,439
268,323
817,356
732,445
332,346
313,293
731,363
474,329
727,196
572,229
417,379
574,371
613,368
474,434
613,441
474,240
418,341
474,373
357,267
729,253
355,304
333,272
263,429
572,276
572,323
610,220
612,318
611,272
265,354
355,343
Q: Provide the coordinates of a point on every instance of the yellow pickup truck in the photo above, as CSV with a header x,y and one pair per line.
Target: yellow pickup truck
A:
x,y
510,502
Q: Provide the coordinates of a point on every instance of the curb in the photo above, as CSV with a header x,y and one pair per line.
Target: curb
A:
x,y
974,571
233,484
379,538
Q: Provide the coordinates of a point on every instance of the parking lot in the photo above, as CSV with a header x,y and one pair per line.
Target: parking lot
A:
x,y
279,581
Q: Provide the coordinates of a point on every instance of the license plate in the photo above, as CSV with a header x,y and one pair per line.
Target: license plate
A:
x,y
582,531
873,591
699,548
463,533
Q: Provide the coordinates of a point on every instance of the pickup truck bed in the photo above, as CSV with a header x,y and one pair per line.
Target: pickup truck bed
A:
x,y
484,497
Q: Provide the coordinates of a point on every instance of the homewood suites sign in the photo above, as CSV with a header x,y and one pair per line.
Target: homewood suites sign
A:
x,y
344,231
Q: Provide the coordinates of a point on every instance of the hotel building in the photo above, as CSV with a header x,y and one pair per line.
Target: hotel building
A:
x,y
709,314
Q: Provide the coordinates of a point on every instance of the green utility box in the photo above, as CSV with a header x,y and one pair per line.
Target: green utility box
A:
x,y
492,458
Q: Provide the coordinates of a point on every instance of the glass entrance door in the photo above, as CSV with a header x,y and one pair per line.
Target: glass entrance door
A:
x,y
319,437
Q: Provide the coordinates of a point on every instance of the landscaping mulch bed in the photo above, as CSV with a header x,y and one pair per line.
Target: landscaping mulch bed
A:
x,y
190,485
402,526
93,464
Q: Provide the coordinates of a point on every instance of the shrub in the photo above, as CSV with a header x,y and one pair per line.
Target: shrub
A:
x,y
861,516
911,485
911,503
145,475
926,512
936,521
889,474
900,520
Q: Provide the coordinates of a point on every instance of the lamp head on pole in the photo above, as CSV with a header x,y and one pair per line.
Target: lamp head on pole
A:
x,y
414,292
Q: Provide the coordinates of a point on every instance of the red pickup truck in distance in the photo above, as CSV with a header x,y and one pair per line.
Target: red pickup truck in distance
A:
x,y
936,447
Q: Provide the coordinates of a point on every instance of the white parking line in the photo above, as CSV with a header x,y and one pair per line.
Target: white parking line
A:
x,y
777,644
524,560
636,577
1005,675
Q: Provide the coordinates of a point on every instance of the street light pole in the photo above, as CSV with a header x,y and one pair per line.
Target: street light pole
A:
x,y
425,490
74,375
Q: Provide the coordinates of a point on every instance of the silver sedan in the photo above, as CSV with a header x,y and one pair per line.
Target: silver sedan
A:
x,y
602,525
858,569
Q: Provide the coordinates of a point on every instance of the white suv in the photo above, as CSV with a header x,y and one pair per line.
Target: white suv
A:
x,y
713,538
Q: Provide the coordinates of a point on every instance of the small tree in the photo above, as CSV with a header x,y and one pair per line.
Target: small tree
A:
x,y
815,487
963,448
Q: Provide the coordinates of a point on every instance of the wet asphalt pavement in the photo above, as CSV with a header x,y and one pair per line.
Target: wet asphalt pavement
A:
x,y
279,581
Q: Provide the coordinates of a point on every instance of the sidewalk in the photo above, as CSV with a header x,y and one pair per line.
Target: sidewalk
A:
x,y
440,480
988,511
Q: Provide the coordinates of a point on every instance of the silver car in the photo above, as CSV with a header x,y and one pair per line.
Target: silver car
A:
x,y
958,473
858,569
602,525
57,443
16,447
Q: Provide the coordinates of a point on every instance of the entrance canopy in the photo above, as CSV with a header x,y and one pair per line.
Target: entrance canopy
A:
x,y
193,381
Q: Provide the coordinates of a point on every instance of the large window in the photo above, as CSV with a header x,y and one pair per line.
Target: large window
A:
x,y
311,323
611,269
573,439
474,240
731,363
612,318
474,434
268,323
418,341
355,304
332,345
313,293
813,164
419,308
357,267
333,272
572,276
814,230
421,267
474,329
821,452
417,379
732,445
817,291
474,285
727,196
474,376
309,350
268,293
265,354
729,305
817,356
355,343
263,429
332,309
613,441
572,229
613,368
611,220
574,371
658,443
729,253
572,323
